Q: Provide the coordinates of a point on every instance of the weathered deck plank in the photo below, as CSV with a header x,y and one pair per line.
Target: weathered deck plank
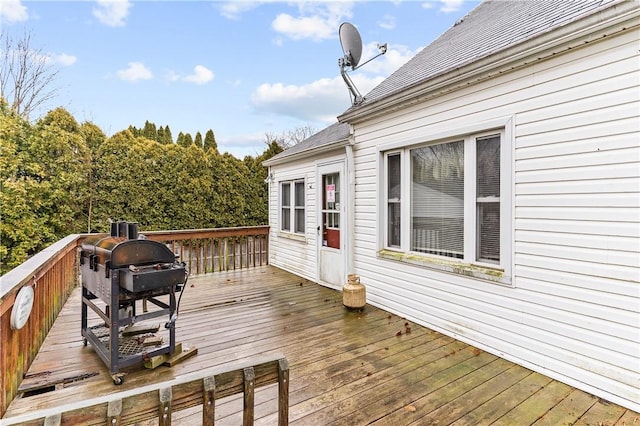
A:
x,y
346,368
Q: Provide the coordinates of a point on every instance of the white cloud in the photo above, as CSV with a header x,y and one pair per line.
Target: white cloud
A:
x,y
201,75
320,101
313,27
396,56
316,21
172,76
233,10
136,71
13,11
112,12
387,22
451,5
65,60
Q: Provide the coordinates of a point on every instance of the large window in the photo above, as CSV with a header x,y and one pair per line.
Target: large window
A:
x,y
292,206
443,201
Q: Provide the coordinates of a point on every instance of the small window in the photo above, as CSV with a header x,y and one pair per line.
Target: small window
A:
x,y
292,207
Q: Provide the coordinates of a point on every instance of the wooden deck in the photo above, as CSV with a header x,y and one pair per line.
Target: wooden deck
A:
x,y
346,368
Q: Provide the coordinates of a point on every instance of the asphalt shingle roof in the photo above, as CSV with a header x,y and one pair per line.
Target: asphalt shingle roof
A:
x,y
490,27
334,133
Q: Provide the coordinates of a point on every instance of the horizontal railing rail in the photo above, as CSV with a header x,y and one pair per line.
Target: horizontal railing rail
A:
x,y
219,249
159,401
54,272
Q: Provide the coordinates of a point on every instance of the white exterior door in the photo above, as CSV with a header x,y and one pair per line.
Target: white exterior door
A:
x,y
331,217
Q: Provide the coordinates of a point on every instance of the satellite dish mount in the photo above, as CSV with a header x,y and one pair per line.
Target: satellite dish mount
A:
x,y
352,47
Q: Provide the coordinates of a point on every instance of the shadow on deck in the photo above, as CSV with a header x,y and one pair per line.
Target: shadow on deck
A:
x,y
346,368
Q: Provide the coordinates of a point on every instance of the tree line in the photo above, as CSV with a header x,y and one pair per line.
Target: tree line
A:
x,y
60,177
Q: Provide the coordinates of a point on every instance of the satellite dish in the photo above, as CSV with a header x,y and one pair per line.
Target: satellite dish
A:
x,y
351,44
352,47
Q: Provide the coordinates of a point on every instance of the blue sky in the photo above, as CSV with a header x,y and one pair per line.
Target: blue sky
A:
x,y
243,69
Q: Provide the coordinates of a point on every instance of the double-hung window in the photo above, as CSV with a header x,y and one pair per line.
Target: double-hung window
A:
x,y
292,206
445,205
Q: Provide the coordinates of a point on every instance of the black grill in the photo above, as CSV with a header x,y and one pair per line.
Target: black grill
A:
x,y
121,269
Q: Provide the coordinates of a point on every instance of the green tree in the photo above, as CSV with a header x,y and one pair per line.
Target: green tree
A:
x,y
120,175
22,232
210,141
198,141
167,139
64,159
160,135
44,183
93,135
149,131
180,141
188,140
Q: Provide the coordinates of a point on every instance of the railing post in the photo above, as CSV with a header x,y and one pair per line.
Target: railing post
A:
x,y
249,387
283,392
114,412
209,401
53,420
164,408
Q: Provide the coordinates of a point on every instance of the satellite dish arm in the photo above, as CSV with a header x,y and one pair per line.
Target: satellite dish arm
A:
x,y
357,97
383,50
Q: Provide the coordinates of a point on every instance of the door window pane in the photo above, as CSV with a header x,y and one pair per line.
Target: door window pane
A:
x,y
331,210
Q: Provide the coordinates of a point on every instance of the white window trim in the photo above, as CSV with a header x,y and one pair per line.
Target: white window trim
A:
x,y
500,274
292,210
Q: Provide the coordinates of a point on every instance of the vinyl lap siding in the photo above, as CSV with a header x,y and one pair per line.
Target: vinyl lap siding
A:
x,y
574,310
294,255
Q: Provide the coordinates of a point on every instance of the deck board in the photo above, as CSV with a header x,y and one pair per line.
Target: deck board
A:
x,y
346,367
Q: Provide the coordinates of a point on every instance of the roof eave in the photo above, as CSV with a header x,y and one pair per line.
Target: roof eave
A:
x,y
620,17
341,143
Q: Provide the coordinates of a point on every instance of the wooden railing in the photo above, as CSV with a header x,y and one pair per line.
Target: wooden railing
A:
x,y
219,249
161,400
54,272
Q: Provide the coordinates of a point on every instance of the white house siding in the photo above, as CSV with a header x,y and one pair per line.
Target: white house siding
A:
x,y
294,254
573,310
297,254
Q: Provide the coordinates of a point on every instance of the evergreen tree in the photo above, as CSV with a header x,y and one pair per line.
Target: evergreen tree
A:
x,y
150,131
44,183
58,177
22,232
160,135
168,139
210,141
180,141
134,130
198,141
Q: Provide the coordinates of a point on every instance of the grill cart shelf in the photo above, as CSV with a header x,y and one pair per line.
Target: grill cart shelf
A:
x,y
119,270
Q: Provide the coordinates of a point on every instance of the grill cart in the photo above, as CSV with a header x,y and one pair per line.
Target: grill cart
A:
x,y
119,270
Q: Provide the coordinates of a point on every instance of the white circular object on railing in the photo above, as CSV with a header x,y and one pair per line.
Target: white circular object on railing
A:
x,y
22,307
